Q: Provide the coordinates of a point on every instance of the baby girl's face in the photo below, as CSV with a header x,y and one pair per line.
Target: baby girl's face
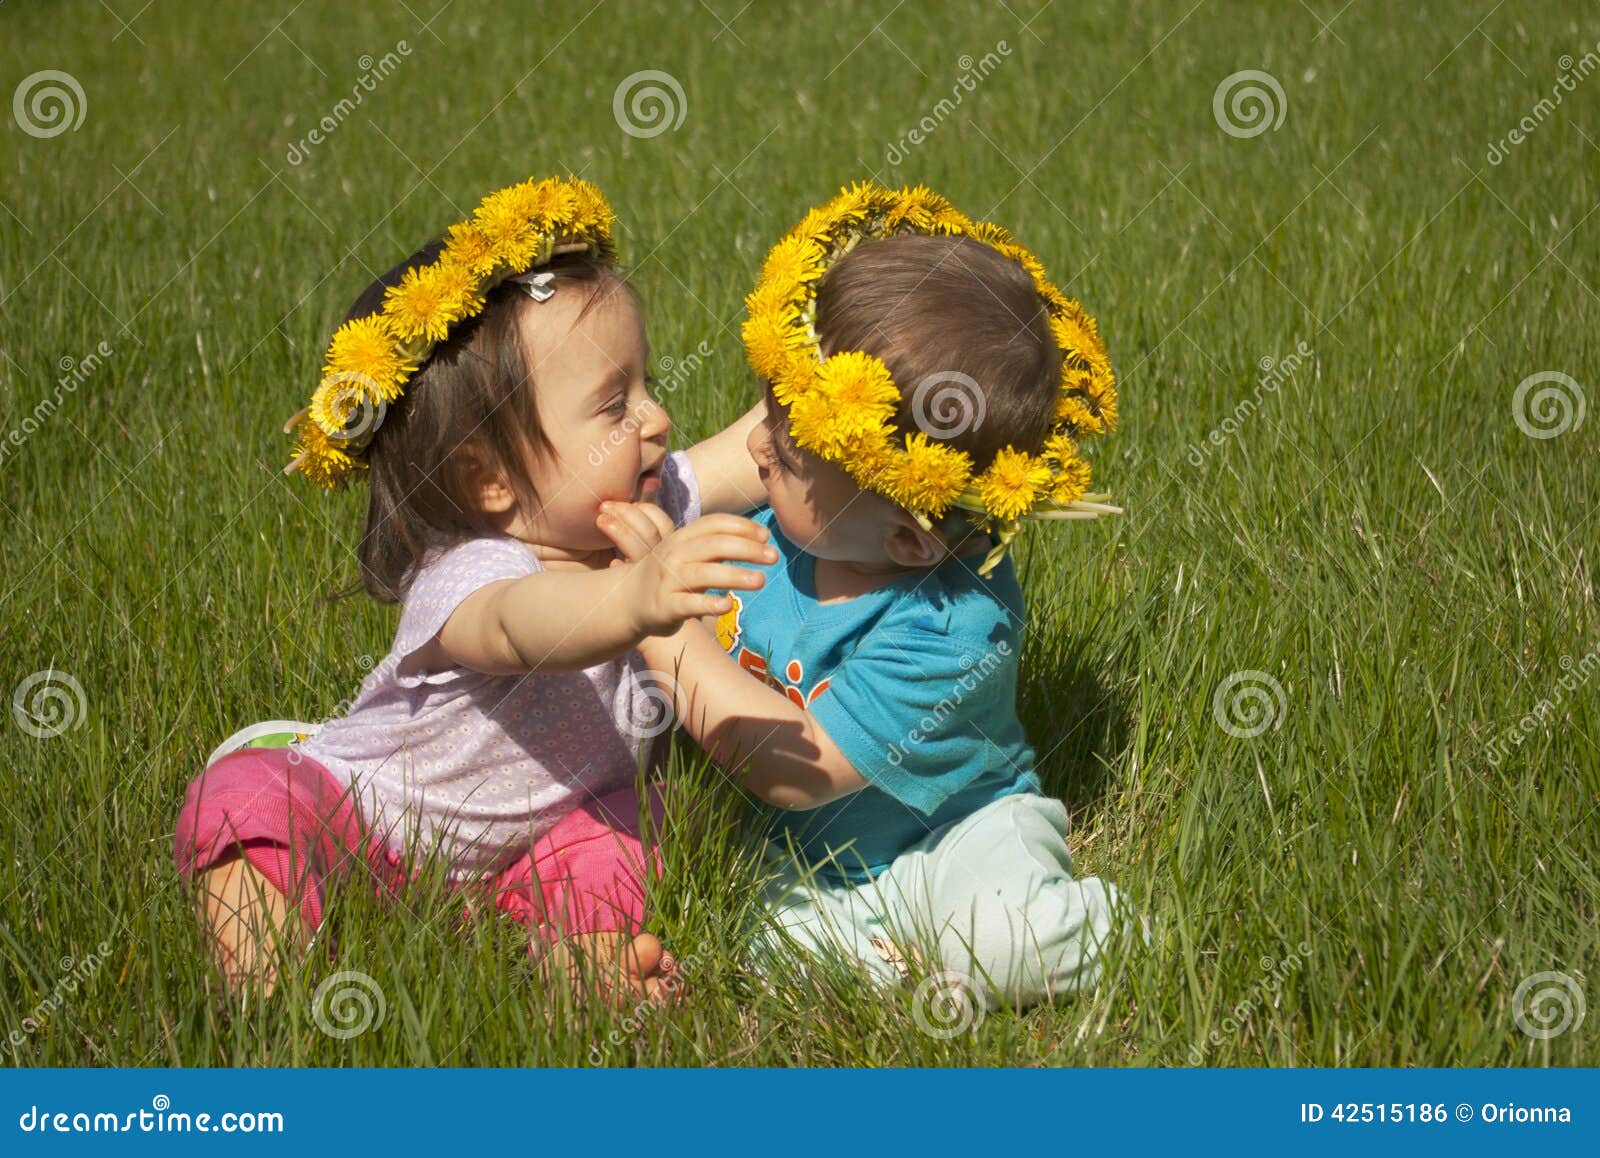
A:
x,y
608,435
818,507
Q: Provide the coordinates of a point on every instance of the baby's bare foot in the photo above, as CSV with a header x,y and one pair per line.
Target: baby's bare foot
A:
x,y
623,970
649,970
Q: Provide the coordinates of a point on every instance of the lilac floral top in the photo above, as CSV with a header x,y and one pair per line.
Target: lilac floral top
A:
x,y
480,766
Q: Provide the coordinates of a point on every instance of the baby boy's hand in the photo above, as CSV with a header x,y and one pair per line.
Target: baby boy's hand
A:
x,y
672,568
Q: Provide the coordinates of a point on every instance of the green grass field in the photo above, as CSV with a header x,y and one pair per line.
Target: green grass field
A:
x,y
1373,555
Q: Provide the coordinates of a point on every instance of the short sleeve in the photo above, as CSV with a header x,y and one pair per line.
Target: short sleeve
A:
x,y
680,489
441,586
915,714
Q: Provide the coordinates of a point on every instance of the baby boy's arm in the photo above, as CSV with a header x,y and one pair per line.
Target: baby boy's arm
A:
x,y
786,757
724,469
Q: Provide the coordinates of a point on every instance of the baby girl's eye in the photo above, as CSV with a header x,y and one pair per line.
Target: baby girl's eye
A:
x,y
618,407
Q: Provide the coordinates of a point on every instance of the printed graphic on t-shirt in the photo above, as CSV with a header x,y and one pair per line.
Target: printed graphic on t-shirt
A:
x,y
730,634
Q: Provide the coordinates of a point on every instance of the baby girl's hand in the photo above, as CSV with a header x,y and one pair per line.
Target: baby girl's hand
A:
x,y
672,568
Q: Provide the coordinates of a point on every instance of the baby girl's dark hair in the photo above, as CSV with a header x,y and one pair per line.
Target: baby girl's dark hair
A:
x,y
931,308
471,405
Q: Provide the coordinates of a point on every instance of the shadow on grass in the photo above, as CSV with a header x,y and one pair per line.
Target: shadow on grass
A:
x,y
1076,722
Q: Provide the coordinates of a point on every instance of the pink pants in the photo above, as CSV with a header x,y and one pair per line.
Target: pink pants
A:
x,y
299,828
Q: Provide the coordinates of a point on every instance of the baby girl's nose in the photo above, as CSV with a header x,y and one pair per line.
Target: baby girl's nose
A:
x,y
654,421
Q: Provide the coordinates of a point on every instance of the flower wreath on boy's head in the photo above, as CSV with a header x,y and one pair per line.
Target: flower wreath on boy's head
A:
x,y
841,408
512,233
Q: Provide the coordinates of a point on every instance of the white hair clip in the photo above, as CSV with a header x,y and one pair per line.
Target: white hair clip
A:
x,y
537,285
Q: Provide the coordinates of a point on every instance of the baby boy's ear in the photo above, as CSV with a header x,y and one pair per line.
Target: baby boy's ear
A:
x,y
908,545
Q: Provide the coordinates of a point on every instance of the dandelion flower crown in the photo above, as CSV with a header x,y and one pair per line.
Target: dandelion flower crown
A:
x,y
512,232
841,408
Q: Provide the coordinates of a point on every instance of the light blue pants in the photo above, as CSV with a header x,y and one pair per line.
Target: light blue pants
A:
x,y
990,898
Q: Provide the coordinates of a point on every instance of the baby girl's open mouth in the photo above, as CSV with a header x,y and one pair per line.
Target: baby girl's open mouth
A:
x,y
650,480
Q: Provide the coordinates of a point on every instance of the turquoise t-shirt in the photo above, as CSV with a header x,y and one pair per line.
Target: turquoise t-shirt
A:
x,y
916,683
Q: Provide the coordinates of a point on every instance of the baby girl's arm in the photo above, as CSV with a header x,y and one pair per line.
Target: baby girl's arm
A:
x,y
787,759
724,469
566,620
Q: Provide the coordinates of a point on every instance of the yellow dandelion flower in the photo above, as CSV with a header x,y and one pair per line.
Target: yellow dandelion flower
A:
x,y
591,212
798,376
858,385
1090,395
1070,408
1101,384
461,287
1076,333
1012,483
421,306
525,199
868,455
817,224
792,263
817,427
1055,301
1060,447
467,245
928,476
1102,390
914,207
990,234
1024,257
866,469
336,399
1070,482
512,237
852,206
772,338
553,201
319,459
853,397
775,297
366,347
949,220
